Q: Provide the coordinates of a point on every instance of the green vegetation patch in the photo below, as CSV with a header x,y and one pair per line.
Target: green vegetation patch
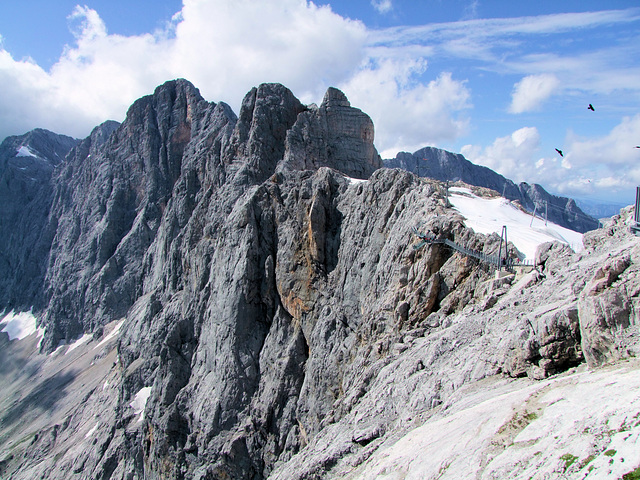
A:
x,y
633,475
568,460
610,453
586,462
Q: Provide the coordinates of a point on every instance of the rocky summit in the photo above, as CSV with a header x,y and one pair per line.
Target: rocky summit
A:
x,y
239,297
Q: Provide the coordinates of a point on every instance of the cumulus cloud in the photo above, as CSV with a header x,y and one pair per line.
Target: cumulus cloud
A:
x,y
609,162
512,155
530,92
224,47
407,114
601,167
616,149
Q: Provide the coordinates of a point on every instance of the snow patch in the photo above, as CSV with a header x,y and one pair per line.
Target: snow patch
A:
x,y
92,431
20,325
111,334
140,402
61,346
356,181
25,151
81,341
488,215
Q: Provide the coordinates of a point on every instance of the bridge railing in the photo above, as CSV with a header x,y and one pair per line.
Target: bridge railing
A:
x,y
507,263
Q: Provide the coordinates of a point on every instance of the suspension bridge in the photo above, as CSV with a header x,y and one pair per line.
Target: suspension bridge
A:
x,y
499,261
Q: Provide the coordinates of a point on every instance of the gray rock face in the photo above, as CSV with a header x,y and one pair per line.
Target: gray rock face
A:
x,y
334,135
107,208
27,163
258,312
442,165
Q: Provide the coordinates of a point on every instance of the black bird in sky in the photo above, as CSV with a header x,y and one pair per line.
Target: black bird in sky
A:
x,y
560,152
590,107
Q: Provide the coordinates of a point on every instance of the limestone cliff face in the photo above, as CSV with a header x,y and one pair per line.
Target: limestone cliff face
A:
x,y
27,163
182,221
251,281
108,202
333,135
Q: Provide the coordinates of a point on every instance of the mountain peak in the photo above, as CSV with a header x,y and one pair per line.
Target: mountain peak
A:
x,y
334,97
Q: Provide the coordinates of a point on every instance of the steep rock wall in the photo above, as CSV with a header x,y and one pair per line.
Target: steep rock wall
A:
x,y
271,305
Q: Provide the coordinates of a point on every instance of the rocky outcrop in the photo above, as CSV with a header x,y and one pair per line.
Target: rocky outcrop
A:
x,y
255,304
605,313
107,207
446,166
334,135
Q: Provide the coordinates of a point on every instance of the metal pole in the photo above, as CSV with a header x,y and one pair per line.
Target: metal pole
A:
x,y
637,211
535,207
506,244
546,204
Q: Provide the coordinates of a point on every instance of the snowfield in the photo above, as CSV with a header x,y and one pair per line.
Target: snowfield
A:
x,y
25,151
20,325
139,402
488,215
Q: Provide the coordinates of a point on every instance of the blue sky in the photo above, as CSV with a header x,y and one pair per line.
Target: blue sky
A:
x,y
503,82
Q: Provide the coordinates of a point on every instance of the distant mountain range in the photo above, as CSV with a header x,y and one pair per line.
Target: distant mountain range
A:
x,y
447,166
599,208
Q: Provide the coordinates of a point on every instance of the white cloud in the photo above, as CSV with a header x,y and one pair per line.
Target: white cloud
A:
x,y
513,46
224,47
382,6
471,10
602,167
407,114
609,163
615,150
511,156
530,92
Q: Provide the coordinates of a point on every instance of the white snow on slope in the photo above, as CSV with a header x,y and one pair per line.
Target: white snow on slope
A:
x,y
140,402
488,215
111,334
92,431
582,425
25,151
81,341
20,325
356,181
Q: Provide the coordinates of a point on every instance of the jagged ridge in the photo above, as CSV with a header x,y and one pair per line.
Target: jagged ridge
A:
x,y
273,306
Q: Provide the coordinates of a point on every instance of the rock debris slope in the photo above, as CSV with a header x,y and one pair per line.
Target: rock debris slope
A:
x,y
243,300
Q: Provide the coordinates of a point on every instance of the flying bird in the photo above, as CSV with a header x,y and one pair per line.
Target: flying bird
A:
x,y
590,107
560,152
